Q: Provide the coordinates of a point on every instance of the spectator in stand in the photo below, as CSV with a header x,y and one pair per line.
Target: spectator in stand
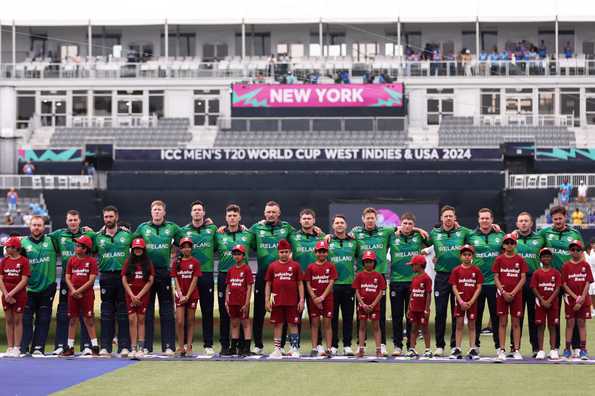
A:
x,y
88,169
591,219
565,190
18,218
27,218
542,50
568,52
8,219
290,79
28,168
466,61
548,218
582,192
577,217
12,197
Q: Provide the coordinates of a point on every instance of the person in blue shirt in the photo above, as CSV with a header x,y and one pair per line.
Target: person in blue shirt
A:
x,y
565,190
568,53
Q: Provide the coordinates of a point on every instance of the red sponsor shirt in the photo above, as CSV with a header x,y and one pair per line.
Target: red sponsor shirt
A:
x,y
189,268
284,278
237,281
81,269
546,281
509,270
369,284
12,270
576,276
466,279
137,282
421,287
320,275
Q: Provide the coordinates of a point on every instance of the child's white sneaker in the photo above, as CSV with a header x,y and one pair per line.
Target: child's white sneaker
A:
x,y
540,355
554,354
501,355
517,355
140,354
347,351
576,353
276,354
334,351
294,353
320,349
383,350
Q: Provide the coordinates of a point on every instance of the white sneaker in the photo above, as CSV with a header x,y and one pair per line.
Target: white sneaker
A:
x,y
87,352
554,354
276,354
140,354
209,351
169,352
397,351
124,352
517,355
37,352
320,349
146,351
104,352
334,351
576,353
16,352
347,351
8,352
258,351
132,355
58,351
294,353
383,350
540,355
439,352
501,355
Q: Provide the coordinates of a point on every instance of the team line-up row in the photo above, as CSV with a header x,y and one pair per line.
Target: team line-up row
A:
x,y
331,274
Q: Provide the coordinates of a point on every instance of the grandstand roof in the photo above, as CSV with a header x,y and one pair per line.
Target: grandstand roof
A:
x,y
153,12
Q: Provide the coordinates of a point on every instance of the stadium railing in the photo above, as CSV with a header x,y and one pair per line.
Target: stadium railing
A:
x,y
47,182
545,181
313,124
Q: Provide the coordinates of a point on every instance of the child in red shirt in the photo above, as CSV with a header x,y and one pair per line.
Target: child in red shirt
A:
x,y
510,273
14,275
545,283
239,281
369,288
284,298
418,311
81,271
320,277
137,275
185,271
576,278
466,280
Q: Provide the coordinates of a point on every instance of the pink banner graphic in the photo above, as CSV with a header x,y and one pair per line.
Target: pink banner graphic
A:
x,y
317,95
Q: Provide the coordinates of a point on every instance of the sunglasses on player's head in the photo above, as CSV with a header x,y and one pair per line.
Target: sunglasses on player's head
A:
x,y
574,249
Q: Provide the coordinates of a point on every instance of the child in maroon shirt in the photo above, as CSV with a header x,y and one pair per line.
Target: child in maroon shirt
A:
x,y
284,298
369,288
239,281
185,271
418,311
14,274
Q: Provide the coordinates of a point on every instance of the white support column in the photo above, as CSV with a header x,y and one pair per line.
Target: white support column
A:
x,y
14,45
243,39
0,43
321,38
477,34
89,40
557,40
399,32
166,41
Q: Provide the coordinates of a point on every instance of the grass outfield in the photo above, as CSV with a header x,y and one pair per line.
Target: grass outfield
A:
x,y
251,378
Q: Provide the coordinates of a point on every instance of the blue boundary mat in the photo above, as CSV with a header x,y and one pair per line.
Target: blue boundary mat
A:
x,y
28,376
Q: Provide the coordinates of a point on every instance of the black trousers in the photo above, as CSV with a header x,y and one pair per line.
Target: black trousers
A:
x,y
206,291
344,301
529,301
161,289
62,319
113,309
399,303
39,305
442,295
223,316
488,293
259,310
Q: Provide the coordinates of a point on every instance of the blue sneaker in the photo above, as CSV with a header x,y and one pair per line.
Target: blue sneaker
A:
x,y
567,353
584,355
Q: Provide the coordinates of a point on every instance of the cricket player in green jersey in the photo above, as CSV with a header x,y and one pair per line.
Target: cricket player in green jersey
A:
x,y
63,239
267,235
159,235
343,253
233,234
204,239
41,287
487,243
112,246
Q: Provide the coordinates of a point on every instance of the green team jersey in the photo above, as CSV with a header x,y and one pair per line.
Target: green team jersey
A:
x,y
447,245
558,241
159,240
204,241
402,249
226,241
528,247
376,240
266,237
302,245
343,253
42,260
112,252
64,242
487,248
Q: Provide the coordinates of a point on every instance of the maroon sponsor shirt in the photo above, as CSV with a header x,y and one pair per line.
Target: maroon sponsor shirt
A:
x,y
81,269
237,281
284,278
369,284
576,276
509,270
546,281
189,268
421,287
320,275
137,282
466,279
12,270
